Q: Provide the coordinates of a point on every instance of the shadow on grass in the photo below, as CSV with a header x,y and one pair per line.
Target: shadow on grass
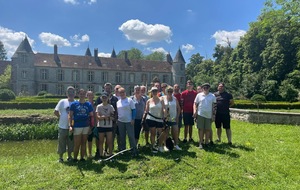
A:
x,y
225,148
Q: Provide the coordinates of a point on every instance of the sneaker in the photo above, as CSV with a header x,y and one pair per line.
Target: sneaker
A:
x,y
154,150
70,159
177,147
60,160
200,146
191,140
165,149
75,160
161,149
184,141
82,160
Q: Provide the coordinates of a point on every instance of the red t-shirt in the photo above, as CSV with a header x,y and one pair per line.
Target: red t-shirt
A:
x,y
188,98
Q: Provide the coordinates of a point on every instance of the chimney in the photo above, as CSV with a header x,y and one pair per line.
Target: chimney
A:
x,y
55,50
96,53
56,58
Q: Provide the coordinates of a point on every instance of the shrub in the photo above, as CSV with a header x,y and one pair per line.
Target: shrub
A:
x,y
42,93
6,95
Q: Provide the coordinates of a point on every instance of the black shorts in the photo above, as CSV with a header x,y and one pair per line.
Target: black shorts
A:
x,y
155,124
104,129
222,119
188,119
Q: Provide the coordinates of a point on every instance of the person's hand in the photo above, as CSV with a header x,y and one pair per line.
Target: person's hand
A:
x,y
71,129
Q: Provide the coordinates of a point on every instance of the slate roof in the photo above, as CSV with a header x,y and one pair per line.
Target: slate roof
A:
x,y
107,63
24,47
179,57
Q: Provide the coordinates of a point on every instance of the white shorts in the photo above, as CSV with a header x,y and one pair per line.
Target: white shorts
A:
x,y
81,130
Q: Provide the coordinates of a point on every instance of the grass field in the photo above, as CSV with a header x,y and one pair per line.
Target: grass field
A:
x,y
262,157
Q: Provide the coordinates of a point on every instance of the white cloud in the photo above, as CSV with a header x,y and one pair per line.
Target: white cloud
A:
x,y
223,36
189,10
51,39
73,2
144,34
77,39
92,2
160,49
102,54
11,40
187,48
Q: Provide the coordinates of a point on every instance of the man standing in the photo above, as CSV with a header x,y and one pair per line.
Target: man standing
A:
x,y
224,101
61,111
188,96
204,111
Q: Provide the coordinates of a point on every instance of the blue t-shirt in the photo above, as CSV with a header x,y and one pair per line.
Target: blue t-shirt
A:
x,y
81,113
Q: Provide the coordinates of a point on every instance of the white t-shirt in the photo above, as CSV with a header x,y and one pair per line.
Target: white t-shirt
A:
x,y
63,107
107,110
156,110
125,107
205,104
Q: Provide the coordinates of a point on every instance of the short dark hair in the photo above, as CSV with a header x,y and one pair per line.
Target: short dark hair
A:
x,y
221,83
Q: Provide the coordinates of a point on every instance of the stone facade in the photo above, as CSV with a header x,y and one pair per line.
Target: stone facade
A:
x,y
35,72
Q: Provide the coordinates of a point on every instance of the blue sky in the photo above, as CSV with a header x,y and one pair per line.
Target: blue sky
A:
x,y
194,26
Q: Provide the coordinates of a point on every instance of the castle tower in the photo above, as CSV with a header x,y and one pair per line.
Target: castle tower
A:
x,y
23,70
178,69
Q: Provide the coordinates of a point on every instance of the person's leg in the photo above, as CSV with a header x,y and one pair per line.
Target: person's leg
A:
x,y
62,139
190,132
152,135
130,133
174,132
218,123
70,144
186,127
228,133
109,142
137,130
83,145
179,125
147,137
101,142
122,135
90,146
77,143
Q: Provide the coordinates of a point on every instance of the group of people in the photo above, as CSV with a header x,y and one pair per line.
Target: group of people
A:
x,y
157,112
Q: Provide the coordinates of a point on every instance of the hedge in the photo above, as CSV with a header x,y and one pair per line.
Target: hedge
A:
x,y
27,105
267,105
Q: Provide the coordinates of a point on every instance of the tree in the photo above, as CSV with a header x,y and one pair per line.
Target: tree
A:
x,y
156,56
133,53
5,78
2,52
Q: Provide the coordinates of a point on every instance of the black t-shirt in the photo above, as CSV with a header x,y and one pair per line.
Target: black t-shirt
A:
x,y
223,102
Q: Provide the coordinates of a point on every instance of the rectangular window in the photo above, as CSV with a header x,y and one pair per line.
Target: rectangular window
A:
x,y
118,77
144,78
131,78
44,87
165,78
60,90
91,76
44,74
105,77
24,74
90,88
75,75
60,75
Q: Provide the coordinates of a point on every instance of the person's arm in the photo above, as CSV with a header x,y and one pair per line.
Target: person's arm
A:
x,y
195,108
71,121
146,111
178,111
56,113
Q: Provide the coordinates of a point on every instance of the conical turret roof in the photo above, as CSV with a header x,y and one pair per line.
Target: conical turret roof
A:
x,y
179,58
24,47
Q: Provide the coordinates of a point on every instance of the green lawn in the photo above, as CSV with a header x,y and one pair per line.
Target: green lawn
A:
x,y
262,157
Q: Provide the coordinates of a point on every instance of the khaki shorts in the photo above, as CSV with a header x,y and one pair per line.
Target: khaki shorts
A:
x,y
81,130
203,123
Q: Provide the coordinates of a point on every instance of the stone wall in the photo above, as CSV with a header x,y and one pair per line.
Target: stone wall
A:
x,y
254,116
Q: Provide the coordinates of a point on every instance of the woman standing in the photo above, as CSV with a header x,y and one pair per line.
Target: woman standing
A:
x,y
105,115
140,104
79,121
154,113
172,115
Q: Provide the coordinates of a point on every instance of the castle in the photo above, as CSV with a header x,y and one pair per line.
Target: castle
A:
x,y
35,72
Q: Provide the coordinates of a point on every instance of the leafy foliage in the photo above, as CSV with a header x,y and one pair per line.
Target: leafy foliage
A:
x,y
6,95
5,78
2,52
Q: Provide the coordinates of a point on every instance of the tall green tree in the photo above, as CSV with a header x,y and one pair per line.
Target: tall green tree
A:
x,y
5,78
2,52
156,56
133,53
